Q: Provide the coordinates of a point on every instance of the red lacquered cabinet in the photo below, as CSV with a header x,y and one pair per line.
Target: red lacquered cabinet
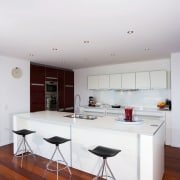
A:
x,y
61,90
51,74
37,88
65,78
69,91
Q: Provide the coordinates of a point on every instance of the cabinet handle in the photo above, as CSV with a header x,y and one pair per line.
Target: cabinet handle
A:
x,y
36,84
69,108
69,85
51,78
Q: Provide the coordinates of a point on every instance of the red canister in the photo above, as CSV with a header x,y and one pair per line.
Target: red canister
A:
x,y
128,114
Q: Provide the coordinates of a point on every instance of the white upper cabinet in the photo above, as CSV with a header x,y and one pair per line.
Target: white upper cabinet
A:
x,y
93,82
104,82
128,81
98,82
142,80
115,81
158,79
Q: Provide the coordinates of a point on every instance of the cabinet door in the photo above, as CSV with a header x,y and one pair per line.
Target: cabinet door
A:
x,y
128,81
115,81
158,79
104,82
61,90
51,74
69,91
142,80
69,77
37,74
37,88
69,99
93,82
98,82
37,97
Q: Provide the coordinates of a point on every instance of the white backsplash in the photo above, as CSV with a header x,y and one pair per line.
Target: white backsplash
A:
x,y
139,98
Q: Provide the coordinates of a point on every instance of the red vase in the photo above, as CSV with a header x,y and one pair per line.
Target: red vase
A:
x,y
128,114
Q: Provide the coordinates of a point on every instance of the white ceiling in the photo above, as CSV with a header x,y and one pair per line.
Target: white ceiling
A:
x,y
30,29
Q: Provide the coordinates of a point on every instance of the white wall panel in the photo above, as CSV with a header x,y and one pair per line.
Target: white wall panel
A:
x,y
14,94
175,93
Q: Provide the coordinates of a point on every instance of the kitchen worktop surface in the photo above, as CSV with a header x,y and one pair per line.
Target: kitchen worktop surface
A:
x,y
147,127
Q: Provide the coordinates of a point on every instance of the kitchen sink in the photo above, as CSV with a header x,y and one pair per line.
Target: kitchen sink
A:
x,y
81,116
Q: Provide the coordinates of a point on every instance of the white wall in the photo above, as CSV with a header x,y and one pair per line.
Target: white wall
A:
x,y
146,98
14,94
175,85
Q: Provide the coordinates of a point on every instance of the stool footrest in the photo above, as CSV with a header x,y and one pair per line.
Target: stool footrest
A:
x,y
55,169
57,150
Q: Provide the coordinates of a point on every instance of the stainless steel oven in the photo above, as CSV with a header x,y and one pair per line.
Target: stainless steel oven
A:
x,y
51,95
51,87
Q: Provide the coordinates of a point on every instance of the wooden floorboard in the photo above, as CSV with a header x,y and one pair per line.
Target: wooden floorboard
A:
x,y
34,169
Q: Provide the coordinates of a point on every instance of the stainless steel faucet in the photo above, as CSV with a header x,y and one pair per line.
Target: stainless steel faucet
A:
x,y
77,103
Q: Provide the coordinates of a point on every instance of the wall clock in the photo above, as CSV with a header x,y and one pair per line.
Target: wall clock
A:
x,y
16,72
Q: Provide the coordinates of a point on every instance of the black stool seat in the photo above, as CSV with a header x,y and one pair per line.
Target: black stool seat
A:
x,y
23,132
56,140
104,151
24,148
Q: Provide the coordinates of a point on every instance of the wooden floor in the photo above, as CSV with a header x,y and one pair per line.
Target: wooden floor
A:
x,y
33,170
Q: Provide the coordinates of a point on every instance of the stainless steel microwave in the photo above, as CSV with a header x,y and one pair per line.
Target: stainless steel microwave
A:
x,y
51,87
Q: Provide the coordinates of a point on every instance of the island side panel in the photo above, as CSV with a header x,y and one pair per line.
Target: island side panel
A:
x,y
152,155
124,165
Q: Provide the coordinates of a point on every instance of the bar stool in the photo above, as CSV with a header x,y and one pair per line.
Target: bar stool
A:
x,y
104,152
24,148
57,140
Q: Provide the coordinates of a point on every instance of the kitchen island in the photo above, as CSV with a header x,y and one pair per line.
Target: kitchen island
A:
x,y
142,145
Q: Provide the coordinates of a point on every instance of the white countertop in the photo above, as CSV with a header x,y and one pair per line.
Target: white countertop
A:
x,y
106,122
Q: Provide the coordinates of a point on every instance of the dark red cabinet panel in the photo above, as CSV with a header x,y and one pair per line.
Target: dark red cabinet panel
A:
x,y
37,74
37,88
61,89
51,74
69,91
37,98
69,77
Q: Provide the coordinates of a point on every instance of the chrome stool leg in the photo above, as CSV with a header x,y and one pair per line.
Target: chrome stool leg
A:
x,y
57,163
110,170
64,161
104,167
23,152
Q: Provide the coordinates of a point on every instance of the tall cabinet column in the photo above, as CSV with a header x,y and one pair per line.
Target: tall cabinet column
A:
x,y
175,94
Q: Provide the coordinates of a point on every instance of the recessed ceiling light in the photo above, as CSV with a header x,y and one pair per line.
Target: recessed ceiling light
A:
x,y
54,49
31,55
130,32
147,49
86,42
112,54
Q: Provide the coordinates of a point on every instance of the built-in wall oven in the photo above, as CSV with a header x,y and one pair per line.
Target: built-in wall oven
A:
x,y
51,95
